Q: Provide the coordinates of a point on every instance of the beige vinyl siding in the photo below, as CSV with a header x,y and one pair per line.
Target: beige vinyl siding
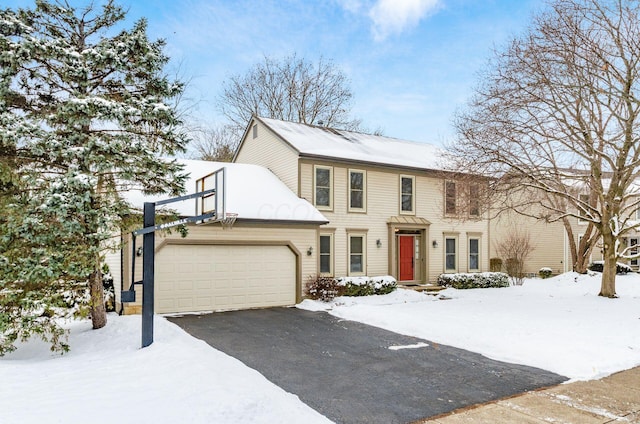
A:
x,y
549,242
383,202
268,150
297,237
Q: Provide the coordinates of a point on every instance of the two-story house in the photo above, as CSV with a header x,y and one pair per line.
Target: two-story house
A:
x,y
392,210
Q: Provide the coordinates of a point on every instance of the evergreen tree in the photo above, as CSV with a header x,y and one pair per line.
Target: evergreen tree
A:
x,y
84,115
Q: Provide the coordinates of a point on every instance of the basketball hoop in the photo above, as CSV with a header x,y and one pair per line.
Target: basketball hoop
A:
x,y
228,221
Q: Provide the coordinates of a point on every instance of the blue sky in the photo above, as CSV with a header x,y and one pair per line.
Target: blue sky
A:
x,y
411,63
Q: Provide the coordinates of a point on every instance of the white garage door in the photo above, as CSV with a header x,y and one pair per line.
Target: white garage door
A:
x,y
193,278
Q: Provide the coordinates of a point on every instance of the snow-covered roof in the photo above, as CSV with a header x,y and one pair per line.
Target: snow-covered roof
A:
x,y
338,144
252,191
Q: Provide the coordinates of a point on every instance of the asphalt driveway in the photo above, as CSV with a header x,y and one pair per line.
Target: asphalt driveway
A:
x,y
355,373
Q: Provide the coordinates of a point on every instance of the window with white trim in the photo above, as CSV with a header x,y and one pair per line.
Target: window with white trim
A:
x,y
357,254
474,200
323,187
407,194
450,254
326,254
357,190
474,254
449,197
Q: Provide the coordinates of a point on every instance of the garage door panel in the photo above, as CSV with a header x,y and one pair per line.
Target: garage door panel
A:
x,y
203,301
200,277
222,267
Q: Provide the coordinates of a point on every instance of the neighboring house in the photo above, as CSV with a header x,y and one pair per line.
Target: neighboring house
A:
x,y
391,208
549,242
261,262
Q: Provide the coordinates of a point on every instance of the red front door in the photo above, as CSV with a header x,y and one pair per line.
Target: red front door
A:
x,y
407,255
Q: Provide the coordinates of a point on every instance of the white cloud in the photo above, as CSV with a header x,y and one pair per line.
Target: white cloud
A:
x,y
395,16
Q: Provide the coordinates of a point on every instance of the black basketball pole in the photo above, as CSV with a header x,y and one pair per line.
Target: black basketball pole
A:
x,y
148,260
148,250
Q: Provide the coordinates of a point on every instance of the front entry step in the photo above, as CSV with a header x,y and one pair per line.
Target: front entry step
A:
x,y
428,288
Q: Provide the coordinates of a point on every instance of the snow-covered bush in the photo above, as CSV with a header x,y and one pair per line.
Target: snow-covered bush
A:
x,y
366,286
621,268
326,288
323,288
477,280
545,272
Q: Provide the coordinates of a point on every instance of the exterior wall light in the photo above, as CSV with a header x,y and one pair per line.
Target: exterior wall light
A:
x,y
309,251
379,243
434,243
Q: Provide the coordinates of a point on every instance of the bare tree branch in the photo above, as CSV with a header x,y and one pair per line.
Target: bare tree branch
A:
x,y
555,120
291,89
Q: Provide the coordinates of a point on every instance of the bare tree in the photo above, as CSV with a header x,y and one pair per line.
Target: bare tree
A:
x,y
556,112
515,249
215,144
292,89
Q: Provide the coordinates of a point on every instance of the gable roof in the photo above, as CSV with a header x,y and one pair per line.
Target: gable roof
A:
x,y
330,143
252,191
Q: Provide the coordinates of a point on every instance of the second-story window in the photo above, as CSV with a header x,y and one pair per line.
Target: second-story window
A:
x,y
474,200
323,181
407,189
449,197
357,190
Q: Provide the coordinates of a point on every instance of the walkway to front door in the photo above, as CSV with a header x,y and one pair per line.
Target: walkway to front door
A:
x,y
355,373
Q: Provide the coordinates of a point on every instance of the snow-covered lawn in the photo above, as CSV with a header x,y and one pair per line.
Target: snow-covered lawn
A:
x,y
558,324
107,378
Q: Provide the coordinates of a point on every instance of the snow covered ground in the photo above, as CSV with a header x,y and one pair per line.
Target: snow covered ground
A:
x,y
107,378
557,324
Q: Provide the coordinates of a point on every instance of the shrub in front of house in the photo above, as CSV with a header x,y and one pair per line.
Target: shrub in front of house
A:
x,y
366,286
598,266
477,280
545,272
323,288
357,288
495,264
327,288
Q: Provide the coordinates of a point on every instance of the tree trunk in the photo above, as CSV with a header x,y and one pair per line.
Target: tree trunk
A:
x,y
96,291
608,285
96,286
581,251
